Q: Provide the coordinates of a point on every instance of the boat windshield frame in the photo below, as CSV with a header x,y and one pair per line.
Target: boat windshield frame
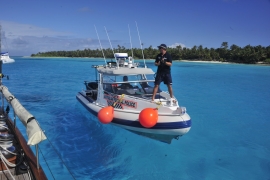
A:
x,y
140,87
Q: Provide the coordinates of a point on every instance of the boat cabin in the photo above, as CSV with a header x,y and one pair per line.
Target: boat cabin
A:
x,y
130,84
123,77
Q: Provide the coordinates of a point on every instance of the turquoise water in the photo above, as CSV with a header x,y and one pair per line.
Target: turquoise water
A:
x,y
229,139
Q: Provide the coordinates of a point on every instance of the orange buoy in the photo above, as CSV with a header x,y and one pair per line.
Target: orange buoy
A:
x,y
105,115
148,117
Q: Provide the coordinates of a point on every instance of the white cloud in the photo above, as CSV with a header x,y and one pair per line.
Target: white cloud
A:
x,y
26,39
13,30
177,44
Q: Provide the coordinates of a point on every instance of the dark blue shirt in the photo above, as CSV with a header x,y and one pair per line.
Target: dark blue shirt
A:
x,y
163,68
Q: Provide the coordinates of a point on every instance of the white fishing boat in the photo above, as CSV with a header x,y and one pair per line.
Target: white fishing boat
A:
x,y
5,58
127,87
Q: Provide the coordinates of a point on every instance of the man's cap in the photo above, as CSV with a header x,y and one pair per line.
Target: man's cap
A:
x,y
162,46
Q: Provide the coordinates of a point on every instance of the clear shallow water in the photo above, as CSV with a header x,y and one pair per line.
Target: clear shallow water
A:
x,y
228,104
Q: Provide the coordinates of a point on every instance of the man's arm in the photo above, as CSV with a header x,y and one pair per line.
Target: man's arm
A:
x,y
169,61
157,62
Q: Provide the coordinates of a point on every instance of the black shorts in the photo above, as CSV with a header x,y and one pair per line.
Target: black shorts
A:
x,y
166,78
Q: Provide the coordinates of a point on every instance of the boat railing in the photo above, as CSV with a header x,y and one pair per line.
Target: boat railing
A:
x,y
34,132
35,136
119,82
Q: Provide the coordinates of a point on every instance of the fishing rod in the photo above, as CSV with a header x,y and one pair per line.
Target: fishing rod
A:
x,y
130,41
100,46
111,46
141,44
109,40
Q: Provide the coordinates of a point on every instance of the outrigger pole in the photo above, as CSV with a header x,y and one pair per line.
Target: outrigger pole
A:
x,y
130,41
109,40
141,44
111,46
100,46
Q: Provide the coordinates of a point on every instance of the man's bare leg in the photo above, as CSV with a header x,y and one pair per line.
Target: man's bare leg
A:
x,y
170,90
171,93
155,92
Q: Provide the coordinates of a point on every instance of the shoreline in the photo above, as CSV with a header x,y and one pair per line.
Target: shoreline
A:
x,y
198,61
195,61
220,62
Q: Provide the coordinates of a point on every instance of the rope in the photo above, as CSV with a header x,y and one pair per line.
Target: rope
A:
x,y
61,158
56,153
119,100
3,171
3,126
28,172
47,163
159,104
7,150
6,162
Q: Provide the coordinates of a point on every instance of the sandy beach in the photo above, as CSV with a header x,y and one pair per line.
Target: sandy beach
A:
x,y
219,62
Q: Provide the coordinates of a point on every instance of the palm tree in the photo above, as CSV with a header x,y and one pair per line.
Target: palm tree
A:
x,y
224,45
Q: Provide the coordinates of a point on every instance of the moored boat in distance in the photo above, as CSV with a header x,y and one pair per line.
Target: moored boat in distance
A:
x,y
127,87
5,58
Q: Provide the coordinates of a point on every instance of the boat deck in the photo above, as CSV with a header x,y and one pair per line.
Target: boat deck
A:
x,y
28,159
4,175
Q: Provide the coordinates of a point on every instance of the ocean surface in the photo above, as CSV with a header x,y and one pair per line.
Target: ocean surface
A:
x,y
229,105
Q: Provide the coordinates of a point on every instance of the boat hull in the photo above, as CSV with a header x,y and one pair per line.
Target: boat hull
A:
x,y
6,59
172,125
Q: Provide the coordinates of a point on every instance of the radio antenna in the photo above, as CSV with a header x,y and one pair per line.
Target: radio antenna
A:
x,y
100,45
141,44
130,41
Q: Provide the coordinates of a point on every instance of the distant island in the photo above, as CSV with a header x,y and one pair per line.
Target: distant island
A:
x,y
235,54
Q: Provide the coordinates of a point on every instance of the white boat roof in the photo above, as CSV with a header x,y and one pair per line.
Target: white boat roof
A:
x,y
124,71
120,55
4,53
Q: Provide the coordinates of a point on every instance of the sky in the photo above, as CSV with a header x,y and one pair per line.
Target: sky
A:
x,y
33,26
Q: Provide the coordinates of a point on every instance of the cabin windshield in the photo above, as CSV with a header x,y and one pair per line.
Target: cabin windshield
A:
x,y
130,85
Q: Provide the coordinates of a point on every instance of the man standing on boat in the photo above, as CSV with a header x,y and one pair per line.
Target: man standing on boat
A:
x,y
164,63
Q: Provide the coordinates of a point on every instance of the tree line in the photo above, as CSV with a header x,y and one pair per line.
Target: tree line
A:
x,y
247,54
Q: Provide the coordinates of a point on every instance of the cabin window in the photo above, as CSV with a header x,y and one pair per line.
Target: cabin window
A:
x,y
131,85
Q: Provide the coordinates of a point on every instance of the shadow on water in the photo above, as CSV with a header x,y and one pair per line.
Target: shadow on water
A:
x,y
35,98
85,145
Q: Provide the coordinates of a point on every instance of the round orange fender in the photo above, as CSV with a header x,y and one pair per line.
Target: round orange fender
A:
x,y
148,117
105,115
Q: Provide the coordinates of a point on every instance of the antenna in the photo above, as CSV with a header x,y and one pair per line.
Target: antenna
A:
x,y
100,45
140,43
109,39
130,41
